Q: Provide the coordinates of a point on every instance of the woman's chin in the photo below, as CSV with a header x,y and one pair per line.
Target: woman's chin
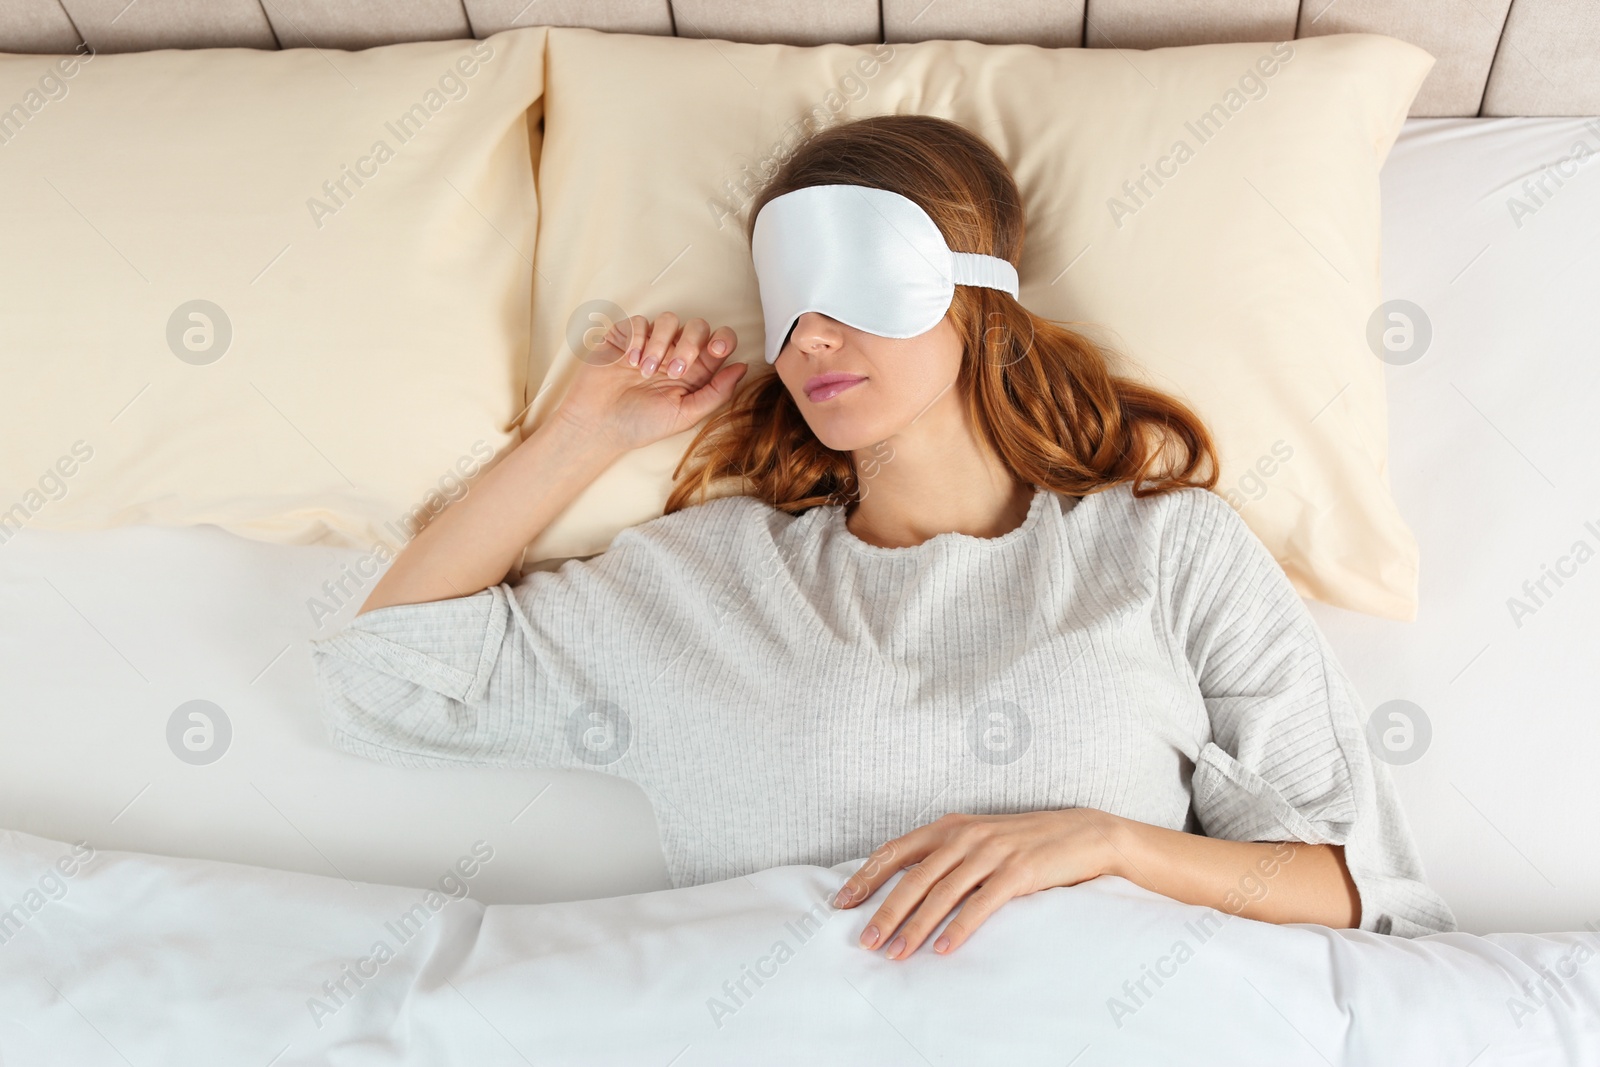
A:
x,y
844,435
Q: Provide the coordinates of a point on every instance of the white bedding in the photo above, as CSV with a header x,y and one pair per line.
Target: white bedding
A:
x,y
1492,459
107,633
145,960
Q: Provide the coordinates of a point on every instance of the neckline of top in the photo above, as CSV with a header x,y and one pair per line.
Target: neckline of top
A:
x,y
1036,506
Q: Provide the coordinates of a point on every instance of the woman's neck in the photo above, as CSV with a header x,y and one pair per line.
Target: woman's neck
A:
x,y
930,480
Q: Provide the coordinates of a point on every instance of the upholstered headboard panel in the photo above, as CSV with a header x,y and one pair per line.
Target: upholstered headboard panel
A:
x,y
1495,57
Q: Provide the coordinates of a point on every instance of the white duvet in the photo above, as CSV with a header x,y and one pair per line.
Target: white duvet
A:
x,y
120,958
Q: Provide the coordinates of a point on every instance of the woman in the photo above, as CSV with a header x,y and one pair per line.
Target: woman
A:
x,y
974,613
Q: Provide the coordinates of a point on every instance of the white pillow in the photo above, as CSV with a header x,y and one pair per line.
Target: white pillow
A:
x,y
283,292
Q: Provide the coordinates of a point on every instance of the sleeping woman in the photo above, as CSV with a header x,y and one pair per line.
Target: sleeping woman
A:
x,y
969,609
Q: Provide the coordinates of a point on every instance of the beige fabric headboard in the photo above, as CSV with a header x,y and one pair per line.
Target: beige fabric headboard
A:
x,y
1495,57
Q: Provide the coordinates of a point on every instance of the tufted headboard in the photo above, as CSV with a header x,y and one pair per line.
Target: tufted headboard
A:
x,y
1495,57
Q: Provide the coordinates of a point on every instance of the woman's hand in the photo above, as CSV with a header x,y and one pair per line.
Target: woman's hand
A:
x,y
619,395
992,857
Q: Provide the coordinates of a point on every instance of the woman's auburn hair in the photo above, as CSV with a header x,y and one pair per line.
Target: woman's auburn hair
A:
x,y
1043,396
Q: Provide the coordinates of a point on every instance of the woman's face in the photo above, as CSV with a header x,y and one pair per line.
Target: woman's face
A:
x,y
895,380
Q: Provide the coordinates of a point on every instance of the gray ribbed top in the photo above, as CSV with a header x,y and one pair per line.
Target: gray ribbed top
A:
x,y
785,692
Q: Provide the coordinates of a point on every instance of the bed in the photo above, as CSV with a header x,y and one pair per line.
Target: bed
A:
x,y
291,854
149,959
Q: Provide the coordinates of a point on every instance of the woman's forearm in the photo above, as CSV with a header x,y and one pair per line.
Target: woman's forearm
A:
x,y
476,541
1277,882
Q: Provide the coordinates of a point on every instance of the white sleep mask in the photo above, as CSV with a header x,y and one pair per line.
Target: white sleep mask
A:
x,y
864,256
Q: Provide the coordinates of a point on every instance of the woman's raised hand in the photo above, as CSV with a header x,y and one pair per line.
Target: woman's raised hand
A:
x,y
646,381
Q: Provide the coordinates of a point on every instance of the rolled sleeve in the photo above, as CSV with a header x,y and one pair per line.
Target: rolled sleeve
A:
x,y
438,683
1287,759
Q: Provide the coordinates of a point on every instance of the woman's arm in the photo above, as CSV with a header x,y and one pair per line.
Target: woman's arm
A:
x,y
982,861
617,402
1275,882
1287,758
478,539
458,672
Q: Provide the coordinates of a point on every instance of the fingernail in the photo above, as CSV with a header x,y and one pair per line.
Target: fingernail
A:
x,y
718,347
651,364
675,368
941,944
843,898
869,937
896,947
633,357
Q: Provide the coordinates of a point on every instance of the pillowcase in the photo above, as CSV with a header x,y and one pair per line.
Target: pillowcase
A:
x,y
283,292
1213,211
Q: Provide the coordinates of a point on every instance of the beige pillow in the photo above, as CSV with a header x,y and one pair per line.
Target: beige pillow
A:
x,y
1244,281
359,227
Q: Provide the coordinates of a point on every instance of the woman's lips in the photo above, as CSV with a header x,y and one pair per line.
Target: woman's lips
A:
x,y
830,389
